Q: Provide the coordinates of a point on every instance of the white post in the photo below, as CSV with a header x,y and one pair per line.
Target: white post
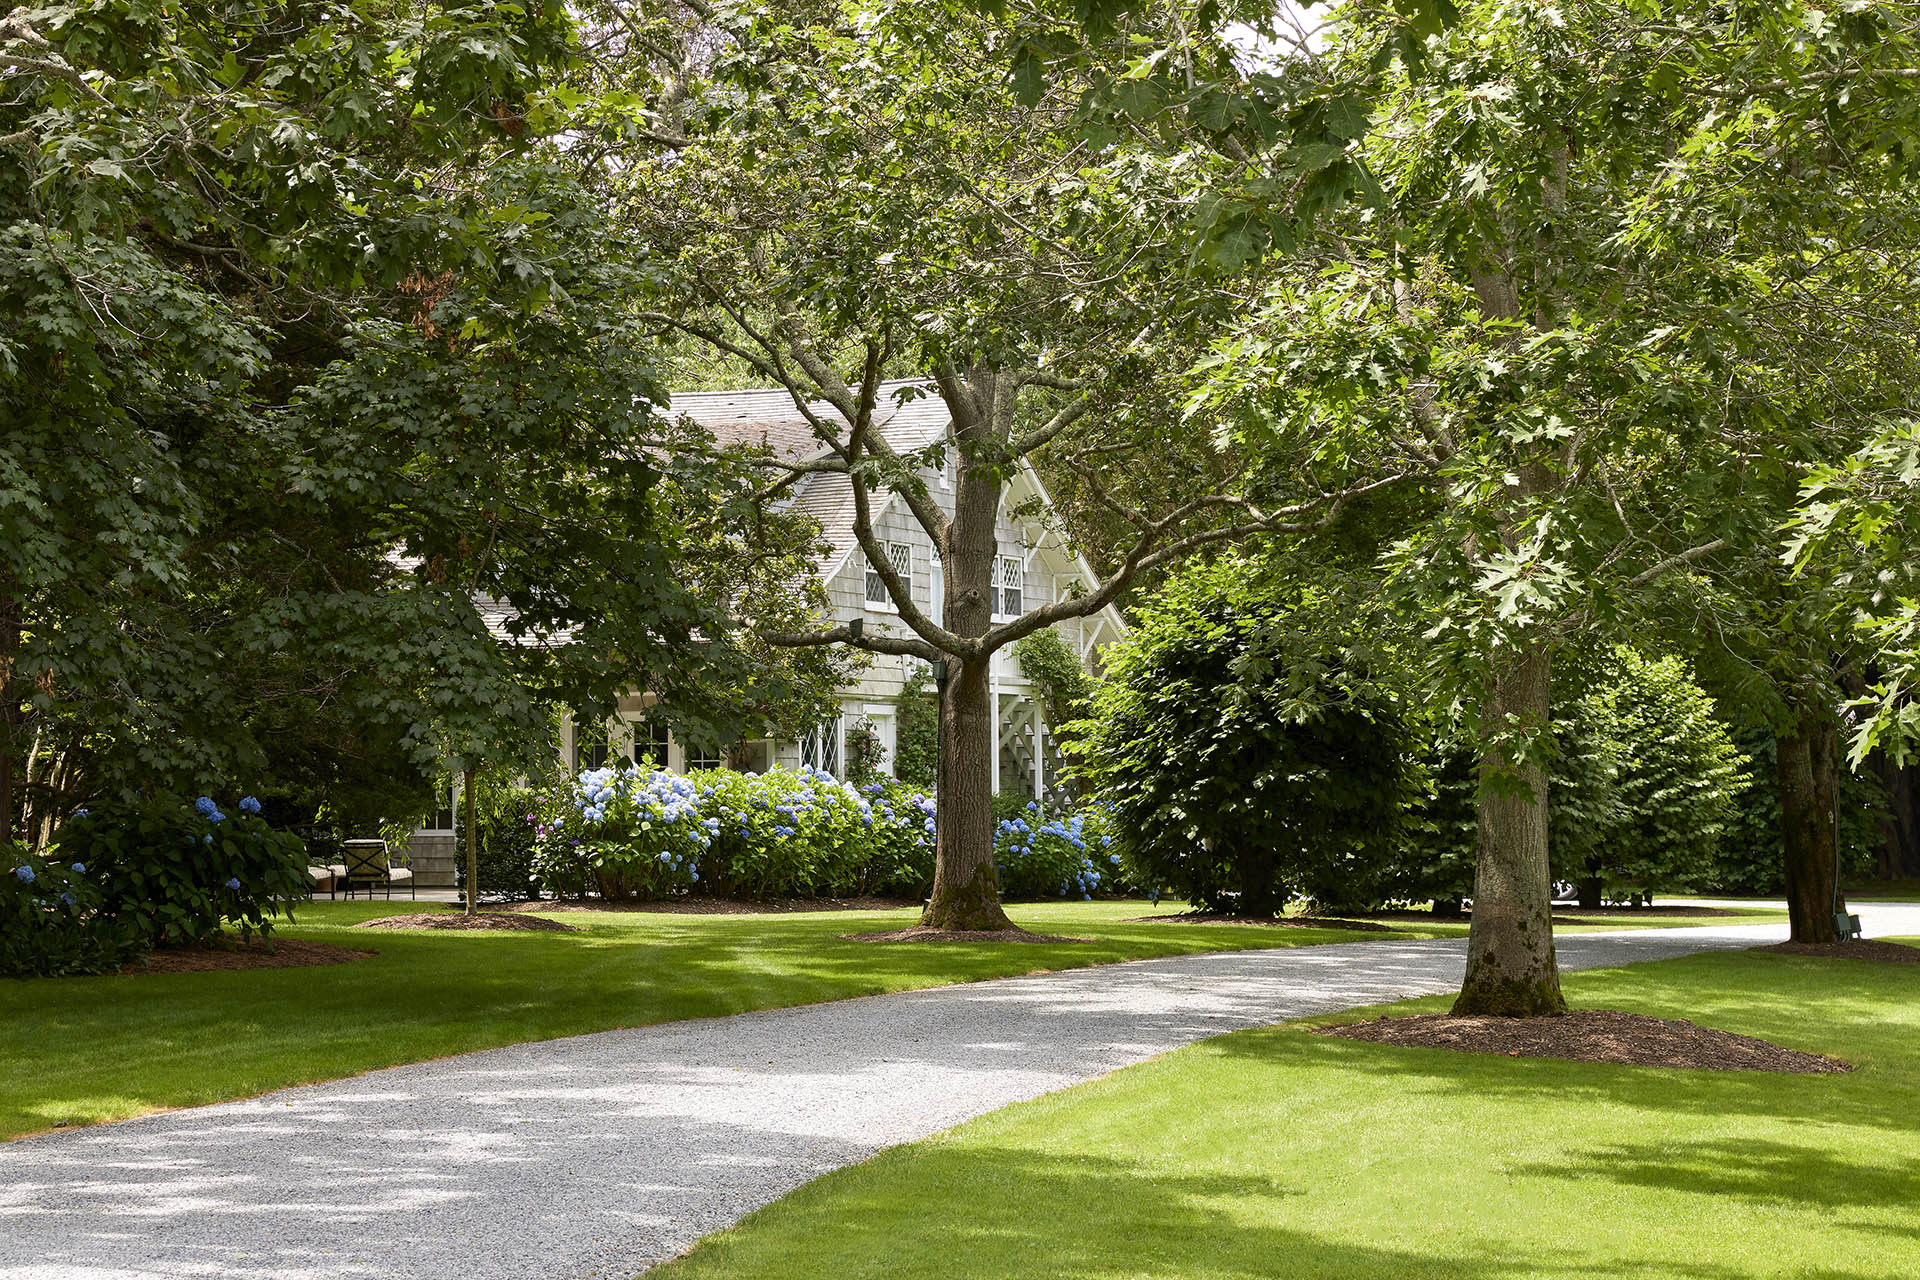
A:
x,y
1040,755
993,692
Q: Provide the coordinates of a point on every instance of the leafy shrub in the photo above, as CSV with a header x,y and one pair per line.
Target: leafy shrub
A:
x,y
50,921
782,834
624,833
1070,856
508,817
787,834
865,752
916,739
900,841
1641,786
174,872
1245,757
1434,858
1644,782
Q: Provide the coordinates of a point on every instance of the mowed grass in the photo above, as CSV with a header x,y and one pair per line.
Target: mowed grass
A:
x,y
79,1051
1280,1153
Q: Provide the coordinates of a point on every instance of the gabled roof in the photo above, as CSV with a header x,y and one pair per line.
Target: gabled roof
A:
x,y
769,418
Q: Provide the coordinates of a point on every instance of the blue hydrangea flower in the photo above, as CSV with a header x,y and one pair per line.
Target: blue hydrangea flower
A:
x,y
233,882
79,813
206,839
206,806
79,868
24,874
249,805
68,900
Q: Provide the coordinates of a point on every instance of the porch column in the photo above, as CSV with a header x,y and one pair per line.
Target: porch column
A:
x,y
1040,754
993,688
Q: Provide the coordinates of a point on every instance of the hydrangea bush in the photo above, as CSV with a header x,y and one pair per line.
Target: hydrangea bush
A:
x,y
1069,856
637,833
49,918
624,833
173,871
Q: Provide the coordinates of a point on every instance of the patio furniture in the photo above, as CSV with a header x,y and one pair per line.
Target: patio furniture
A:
x,y
325,877
368,866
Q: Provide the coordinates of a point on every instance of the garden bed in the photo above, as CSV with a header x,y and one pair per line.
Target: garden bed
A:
x,y
958,935
257,953
1858,949
1592,1035
485,922
1344,923
718,906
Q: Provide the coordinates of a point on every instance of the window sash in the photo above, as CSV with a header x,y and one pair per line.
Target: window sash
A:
x,y
900,555
1009,596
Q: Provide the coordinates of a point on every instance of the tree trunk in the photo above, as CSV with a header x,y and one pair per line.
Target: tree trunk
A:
x,y
12,701
1806,767
1511,970
1590,893
473,847
966,888
1258,900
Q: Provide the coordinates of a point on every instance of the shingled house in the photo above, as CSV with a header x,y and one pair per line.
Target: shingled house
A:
x,y
1033,566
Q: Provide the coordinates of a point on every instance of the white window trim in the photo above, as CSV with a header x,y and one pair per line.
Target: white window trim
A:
x,y
1000,585
897,552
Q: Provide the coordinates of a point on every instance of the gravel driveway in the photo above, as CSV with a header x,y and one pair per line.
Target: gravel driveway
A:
x,y
603,1154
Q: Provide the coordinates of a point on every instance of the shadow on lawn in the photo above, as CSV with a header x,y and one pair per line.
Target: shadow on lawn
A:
x,y
1865,1015
1034,1217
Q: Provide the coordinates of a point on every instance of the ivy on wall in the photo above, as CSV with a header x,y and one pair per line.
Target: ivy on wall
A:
x,y
1065,687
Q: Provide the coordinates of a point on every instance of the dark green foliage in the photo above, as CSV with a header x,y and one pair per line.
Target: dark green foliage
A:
x,y
50,922
1644,781
916,745
1245,752
1433,861
507,818
1642,784
1752,859
174,871
865,751
1065,687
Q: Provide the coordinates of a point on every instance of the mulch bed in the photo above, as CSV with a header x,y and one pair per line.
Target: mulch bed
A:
x,y
1580,915
1285,922
1593,1035
958,935
720,906
485,922
1858,949
279,953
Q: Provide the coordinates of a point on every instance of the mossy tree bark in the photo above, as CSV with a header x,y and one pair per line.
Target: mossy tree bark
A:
x,y
966,888
1807,760
1511,970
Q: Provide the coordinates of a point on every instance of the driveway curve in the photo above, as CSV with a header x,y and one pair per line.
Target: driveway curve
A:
x,y
601,1155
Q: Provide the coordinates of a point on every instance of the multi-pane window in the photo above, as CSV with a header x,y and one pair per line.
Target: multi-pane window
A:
x,y
900,556
820,747
704,757
1009,599
651,741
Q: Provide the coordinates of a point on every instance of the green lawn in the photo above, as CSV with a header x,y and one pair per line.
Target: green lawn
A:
x,y
1279,1153
83,1050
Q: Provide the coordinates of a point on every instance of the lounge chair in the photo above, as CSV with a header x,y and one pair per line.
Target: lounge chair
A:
x,y
368,866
